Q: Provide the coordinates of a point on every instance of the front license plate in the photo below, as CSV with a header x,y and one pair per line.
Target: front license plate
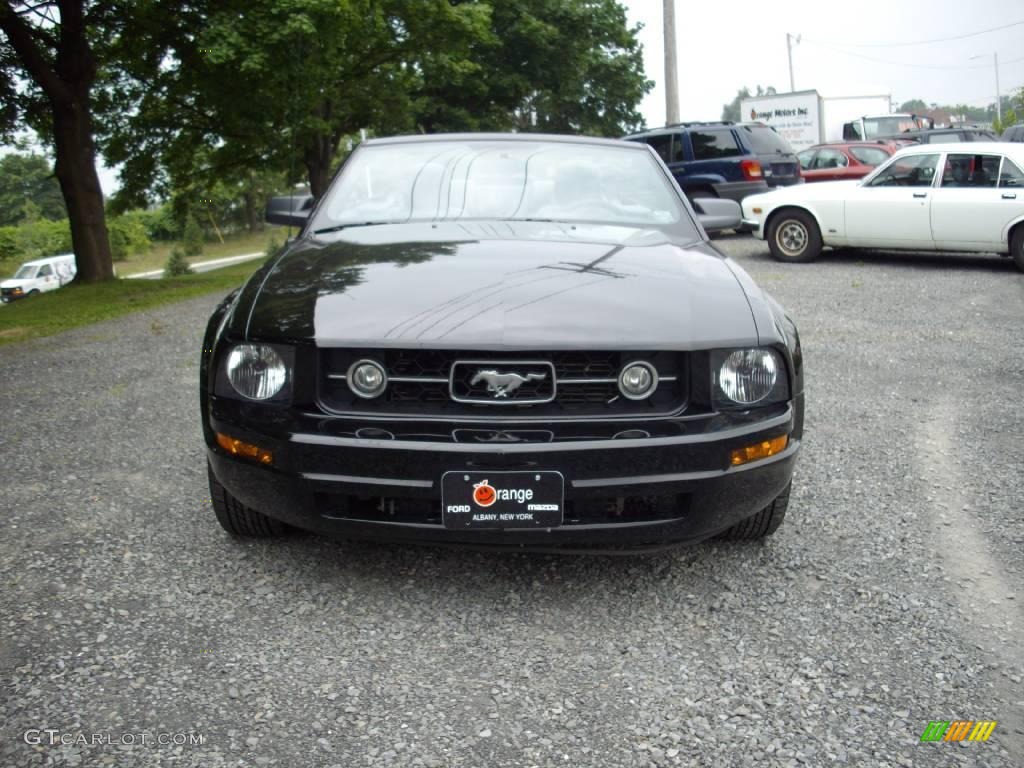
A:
x,y
502,499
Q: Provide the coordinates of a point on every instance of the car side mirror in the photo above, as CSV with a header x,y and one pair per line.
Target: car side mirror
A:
x,y
289,210
715,214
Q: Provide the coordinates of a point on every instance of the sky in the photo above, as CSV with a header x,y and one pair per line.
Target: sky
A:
x,y
843,51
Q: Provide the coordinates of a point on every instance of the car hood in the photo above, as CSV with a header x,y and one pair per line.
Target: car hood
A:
x,y
819,190
16,282
500,285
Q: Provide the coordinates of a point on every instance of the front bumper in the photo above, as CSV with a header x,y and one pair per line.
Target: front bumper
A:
x,y
362,485
750,225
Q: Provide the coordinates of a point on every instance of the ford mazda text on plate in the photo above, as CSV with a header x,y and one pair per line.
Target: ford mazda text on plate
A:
x,y
502,340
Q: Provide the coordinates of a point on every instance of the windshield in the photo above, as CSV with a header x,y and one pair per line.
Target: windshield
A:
x,y
504,180
24,273
885,126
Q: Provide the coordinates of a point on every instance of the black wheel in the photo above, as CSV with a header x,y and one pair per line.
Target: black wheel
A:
x,y
1017,247
764,523
33,292
794,236
238,519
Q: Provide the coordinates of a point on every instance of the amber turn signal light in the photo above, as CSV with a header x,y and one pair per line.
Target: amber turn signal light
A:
x,y
757,451
245,450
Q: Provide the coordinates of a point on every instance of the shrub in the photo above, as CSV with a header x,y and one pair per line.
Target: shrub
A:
x,y
273,247
177,264
128,236
160,223
192,239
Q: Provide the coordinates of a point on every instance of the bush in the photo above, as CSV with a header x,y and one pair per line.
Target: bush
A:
x,y
273,247
160,223
128,236
41,238
177,264
192,239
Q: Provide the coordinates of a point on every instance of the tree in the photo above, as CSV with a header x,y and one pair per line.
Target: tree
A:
x,y
322,70
48,69
570,66
28,178
914,106
731,111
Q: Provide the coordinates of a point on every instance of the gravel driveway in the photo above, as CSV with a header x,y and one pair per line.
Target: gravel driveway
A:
x,y
891,597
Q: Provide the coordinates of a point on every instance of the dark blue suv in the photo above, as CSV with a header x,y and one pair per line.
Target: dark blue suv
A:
x,y
724,159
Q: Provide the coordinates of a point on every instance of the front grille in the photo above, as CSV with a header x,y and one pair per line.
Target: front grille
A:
x,y
421,383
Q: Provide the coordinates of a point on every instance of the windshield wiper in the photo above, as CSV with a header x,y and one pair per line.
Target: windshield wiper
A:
x,y
339,227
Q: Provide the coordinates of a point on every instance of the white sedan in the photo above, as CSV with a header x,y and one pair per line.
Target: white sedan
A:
x,y
949,197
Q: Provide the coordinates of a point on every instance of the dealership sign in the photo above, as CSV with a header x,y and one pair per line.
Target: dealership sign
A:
x,y
795,116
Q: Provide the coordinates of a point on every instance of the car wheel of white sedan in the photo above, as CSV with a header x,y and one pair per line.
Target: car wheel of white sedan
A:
x,y
794,236
1017,247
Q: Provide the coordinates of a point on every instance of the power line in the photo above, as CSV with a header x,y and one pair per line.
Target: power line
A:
x,y
907,64
920,42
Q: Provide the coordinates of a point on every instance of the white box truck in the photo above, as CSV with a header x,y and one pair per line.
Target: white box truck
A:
x,y
806,118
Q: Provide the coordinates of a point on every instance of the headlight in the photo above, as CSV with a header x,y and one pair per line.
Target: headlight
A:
x,y
256,371
367,378
750,376
638,380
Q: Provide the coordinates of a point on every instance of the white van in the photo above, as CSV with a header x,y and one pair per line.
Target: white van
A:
x,y
39,275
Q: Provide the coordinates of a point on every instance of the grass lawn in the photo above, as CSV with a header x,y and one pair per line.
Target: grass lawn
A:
x,y
77,305
233,245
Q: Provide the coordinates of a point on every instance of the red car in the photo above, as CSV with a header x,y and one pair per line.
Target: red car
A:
x,y
844,160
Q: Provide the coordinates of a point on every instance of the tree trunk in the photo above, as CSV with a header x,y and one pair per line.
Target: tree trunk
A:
x,y
318,165
75,169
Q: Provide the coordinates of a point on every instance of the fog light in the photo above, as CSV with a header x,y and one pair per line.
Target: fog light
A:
x,y
638,380
367,378
245,450
759,450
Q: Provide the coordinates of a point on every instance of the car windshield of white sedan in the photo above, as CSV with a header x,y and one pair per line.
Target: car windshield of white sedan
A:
x,y
25,273
505,180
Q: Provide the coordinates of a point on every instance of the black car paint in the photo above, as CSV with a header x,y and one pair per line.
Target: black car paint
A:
x,y
501,286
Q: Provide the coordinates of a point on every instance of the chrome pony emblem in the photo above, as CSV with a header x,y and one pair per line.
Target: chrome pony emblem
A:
x,y
503,384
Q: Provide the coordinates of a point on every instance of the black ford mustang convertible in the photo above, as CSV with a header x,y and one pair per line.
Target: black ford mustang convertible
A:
x,y
501,340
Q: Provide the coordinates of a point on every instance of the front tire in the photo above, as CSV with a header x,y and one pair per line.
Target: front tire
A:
x,y
794,237
1017,247
238,519
764,523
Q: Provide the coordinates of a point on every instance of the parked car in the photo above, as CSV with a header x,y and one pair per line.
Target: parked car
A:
x,y
724,159
501,339
1014,133
951,135
926,197
38,276
843,160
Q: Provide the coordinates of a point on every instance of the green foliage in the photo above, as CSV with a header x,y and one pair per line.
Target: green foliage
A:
x,y
159,223
731,111
273,247
572,66
192,238
914,106
27,186
128,235
33,240
177,264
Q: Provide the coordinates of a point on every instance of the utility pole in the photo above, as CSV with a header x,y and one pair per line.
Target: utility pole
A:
x,y
789,53
671,71
999,98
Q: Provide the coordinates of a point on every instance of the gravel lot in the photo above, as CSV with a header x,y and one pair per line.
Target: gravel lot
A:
x,y
892,595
